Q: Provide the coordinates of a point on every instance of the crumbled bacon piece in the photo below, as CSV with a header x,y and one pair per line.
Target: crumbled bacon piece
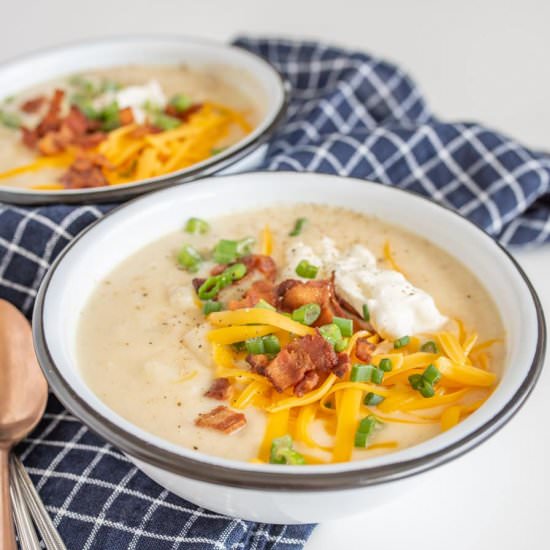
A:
x,y
220,389
343,365
258,363
183,115
223,419
291,367
85,171
33,105
126,116
51,120
260,290
197,283
364,349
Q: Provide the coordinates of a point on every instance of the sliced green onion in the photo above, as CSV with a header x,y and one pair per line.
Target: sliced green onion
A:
x,y
366,312
109,117
364,430
210,288
377,375
432,375
225,251
426,390
306,270
385,364
341,345
255,346
110,86
83,84
373,399
211,306
10,120
165,122
345,325
298,227
181,102
401,342
244,246
271,344
307,314
239,346
283,453
429,347
416,380
217,150
86,106
189,258
331,333
361,373
262,304
235,272
196,226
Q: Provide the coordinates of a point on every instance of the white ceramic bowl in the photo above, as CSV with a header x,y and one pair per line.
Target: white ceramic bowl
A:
x,y
251,74
270,493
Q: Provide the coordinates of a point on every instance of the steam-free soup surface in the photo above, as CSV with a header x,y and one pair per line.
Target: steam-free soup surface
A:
x,y
141,339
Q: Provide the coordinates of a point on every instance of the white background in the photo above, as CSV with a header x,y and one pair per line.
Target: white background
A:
x,y
485,61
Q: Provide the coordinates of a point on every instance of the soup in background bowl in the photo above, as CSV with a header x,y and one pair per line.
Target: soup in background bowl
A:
x,y
109,119
138,302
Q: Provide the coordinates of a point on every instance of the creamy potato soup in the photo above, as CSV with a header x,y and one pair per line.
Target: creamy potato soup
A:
x,y
120,125
324,336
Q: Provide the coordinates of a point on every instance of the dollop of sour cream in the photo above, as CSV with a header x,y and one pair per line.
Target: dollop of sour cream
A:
x,y
397,308
136,97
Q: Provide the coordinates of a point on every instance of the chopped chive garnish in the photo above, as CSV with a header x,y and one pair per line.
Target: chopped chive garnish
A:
x,y
401,342
211,306
181,102
262,304
331,333
429,347
364,430
385,364
426,390
345,325
189,258
432,375
196,226
306,270
283,453
307,314
110,86
271,344
210,288
415,380
366,312
298,227
341,345
217,150
373,399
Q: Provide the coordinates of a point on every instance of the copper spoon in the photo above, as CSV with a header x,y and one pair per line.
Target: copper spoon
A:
x,y
23,395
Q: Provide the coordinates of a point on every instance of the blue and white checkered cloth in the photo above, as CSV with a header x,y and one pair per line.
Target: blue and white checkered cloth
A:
x,y
350,114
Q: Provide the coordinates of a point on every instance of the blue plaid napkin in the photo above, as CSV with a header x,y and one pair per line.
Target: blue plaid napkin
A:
x,y
350,114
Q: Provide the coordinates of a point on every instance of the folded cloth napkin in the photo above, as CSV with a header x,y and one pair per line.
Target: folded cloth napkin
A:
x,y
349,114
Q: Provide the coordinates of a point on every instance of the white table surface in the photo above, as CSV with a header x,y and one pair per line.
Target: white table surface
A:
x,y
484,61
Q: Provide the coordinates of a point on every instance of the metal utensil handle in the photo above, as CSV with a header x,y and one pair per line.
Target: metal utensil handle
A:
x,y
23,522
7,534
45,526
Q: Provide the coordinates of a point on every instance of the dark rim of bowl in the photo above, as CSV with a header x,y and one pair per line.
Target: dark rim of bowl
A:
x,y
118,193
279,480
